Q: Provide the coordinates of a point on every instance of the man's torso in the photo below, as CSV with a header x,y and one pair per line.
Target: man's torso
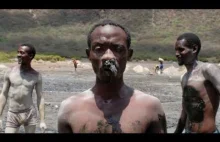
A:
x,y
21,88
200,101
133,116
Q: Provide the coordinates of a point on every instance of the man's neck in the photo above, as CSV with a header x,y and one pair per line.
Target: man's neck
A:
x,y
108,90
25,67
191,66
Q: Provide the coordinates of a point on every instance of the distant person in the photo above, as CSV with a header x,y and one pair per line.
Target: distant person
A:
x,y
201,88
75,63
22,80
159,68
110,106
161,65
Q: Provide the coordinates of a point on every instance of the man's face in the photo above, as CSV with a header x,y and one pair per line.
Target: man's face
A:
x,y
109,52
23,56
184,54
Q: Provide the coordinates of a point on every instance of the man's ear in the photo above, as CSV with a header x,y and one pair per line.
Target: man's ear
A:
x,y
31,56
195,49
130,53
87,52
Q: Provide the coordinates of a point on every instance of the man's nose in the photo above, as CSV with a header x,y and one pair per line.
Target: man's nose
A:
x,y
108,55
177,54
19,55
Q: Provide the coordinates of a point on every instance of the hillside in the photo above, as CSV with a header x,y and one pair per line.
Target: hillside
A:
x,y
64,32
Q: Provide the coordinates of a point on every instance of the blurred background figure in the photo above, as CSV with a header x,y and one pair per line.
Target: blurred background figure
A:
x,y
159,68
75,63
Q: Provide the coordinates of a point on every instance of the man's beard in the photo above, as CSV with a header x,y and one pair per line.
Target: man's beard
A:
x,y
180,63
19,60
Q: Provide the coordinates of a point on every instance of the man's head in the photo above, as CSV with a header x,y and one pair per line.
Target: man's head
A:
x,y
109,49
26,53
187,48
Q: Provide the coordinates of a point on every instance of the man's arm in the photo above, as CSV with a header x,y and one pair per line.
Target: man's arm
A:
x,y
181,123
40,101
162,119
211,73
4,94
63,125
182,120
158,124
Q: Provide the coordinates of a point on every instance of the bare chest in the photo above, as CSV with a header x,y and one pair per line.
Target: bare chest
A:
x,y
120,122
195,96
23,79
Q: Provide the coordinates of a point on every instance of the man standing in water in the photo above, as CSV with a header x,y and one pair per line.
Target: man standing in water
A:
x,y
19,83
201,87
110,106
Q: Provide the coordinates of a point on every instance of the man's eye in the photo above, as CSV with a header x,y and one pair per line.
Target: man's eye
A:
x,y
180,49
98,49
119,48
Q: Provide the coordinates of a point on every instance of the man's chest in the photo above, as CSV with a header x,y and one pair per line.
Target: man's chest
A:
x,y
124,122
27,80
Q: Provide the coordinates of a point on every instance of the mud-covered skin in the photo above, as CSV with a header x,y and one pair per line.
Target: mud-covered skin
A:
x,y
102,127
116,126
194,105
110,66
200,99
115,118
110,106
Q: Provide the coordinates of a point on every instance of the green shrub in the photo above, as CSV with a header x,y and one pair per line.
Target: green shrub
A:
x,y
52,58
76,57
4,57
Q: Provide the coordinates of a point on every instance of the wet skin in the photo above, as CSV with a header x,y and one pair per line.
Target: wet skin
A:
x,y
200,92
110,106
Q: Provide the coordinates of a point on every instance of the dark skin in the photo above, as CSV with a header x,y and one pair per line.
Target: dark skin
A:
x,y
75,64
201,87
110,106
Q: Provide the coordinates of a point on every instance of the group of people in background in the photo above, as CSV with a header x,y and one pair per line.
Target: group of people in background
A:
x,y
111,106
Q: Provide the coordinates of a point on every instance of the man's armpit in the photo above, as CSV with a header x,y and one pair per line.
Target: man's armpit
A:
x,y
63,126
162,121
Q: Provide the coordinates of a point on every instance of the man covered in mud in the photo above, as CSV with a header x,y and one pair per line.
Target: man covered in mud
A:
x,y
201,87
110,106
18,86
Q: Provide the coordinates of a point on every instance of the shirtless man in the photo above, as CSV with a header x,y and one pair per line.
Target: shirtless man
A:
x,y
110,106
201,87
21,80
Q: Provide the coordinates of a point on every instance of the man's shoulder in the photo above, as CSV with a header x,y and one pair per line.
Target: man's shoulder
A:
x,y
76,99
10,70
146,98
35,72
208,67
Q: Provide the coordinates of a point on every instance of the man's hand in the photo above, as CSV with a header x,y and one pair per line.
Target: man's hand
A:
x,y
43,126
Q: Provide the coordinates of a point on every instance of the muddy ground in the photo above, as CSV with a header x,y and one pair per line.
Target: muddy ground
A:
x,y
61,81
